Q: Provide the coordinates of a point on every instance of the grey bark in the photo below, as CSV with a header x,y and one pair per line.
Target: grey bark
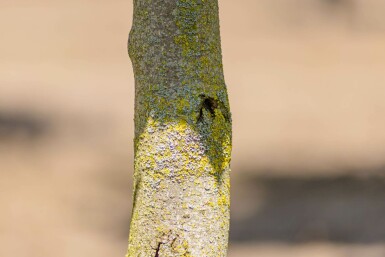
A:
x,y
182,131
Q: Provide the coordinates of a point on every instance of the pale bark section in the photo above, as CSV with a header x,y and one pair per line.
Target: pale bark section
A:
x,y
182,131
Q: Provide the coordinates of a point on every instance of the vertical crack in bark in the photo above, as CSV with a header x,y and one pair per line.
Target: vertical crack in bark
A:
x,y
158,249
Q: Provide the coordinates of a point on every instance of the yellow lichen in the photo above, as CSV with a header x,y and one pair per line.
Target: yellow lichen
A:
x,y
182,147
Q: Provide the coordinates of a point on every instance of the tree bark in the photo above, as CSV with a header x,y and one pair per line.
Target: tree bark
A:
x,y
182,131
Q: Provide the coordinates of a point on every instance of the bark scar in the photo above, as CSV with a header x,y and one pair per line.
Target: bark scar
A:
x,y
210,105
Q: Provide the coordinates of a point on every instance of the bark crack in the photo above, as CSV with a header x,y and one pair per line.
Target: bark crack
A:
x,y
158,249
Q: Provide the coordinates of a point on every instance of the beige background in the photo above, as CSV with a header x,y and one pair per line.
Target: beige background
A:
x,y
306,80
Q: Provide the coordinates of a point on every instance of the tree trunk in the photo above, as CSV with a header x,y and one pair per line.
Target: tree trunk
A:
x,y
182,131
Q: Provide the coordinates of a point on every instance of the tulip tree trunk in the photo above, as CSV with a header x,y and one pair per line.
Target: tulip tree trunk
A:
x,y
182,131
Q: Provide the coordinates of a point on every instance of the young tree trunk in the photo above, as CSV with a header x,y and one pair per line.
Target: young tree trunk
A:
x,y
182,131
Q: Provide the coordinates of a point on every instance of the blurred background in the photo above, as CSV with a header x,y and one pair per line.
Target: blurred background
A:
x,y
306,80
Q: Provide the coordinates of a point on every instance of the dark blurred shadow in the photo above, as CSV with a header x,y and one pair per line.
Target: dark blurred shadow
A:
x,y
294,210
22,126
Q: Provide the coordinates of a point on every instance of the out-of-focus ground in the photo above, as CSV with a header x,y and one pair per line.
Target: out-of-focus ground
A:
x,y
306,80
